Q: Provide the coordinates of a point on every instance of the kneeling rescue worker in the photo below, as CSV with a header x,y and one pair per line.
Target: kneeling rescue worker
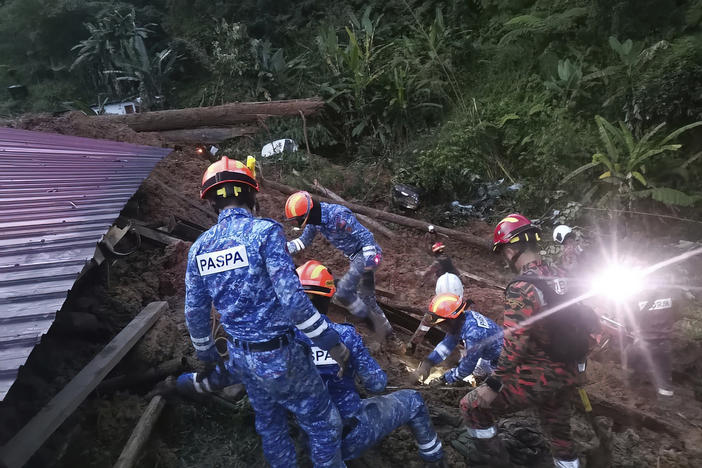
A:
x,y
366,421
538,366
341,228
481,337
241,265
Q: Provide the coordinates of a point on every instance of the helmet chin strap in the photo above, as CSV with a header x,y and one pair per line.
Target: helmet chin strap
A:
x,y
307,212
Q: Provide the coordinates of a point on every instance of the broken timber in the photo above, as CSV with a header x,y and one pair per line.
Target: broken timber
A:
x,y
22,446
368,222
226,115
204,135
141,433
391,217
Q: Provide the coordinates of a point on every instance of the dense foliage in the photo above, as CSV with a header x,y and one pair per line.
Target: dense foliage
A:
x,y
440,92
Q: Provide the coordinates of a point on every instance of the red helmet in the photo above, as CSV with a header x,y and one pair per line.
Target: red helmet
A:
x,y
227,171
447,305
438,247
513,228
316,279
298,206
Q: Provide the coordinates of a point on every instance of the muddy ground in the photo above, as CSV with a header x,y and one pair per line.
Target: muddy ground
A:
x,y
191,434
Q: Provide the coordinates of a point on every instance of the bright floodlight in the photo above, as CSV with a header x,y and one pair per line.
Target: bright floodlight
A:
x,y
618,282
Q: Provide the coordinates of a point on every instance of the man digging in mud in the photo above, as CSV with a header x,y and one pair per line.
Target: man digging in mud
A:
x,y
242,267
341,228
481,337
538,367
366,421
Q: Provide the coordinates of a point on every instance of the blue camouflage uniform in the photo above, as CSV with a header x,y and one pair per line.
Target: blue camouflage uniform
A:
x,y
367,421
241,266
482,339
343,231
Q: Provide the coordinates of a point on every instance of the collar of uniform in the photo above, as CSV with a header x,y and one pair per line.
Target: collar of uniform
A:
x,y
324,209
229,212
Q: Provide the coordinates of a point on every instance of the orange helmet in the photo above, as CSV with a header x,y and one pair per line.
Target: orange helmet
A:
x,y
298,206
438,247
227,171
447,305
316,279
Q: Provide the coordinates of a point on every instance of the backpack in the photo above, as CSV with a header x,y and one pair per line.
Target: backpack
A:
x,y
569,328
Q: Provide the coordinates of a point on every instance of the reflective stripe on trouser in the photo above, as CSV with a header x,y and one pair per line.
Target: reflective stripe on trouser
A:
x,y
283,380
379,416
346,289
517,394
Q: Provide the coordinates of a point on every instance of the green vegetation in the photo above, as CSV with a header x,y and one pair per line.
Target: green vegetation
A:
x,y
436,92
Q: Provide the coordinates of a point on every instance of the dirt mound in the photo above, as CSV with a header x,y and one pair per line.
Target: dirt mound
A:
x,y
78,124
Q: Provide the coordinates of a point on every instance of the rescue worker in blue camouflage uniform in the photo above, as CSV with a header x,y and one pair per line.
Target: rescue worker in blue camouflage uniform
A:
x,y
366,421
341,228
481,337
242,267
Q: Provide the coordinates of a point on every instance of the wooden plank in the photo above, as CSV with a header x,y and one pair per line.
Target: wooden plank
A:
x,y
368,222
141,433
28,440
156,235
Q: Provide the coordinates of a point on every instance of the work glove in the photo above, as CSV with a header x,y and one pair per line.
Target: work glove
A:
x,y
294,246
341,354
421,373
482,370
371,257
210,368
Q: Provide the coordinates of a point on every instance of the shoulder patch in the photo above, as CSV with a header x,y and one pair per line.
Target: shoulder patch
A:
x,y
222,260
480,320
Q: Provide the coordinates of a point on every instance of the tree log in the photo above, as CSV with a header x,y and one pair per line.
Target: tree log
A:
x,y
370,223
141,433
216,116
206,135
391,217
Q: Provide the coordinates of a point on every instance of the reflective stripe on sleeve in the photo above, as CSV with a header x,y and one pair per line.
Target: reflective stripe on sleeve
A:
x,y
204,339
317,331
309,322
442,350
427,445
203,348
298,243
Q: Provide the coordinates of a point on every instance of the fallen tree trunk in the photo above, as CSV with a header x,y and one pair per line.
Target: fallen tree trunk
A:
x,y
216,116
392,217
371,223
206,135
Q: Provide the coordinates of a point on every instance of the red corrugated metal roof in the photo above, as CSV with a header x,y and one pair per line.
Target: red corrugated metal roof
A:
x,y
58,195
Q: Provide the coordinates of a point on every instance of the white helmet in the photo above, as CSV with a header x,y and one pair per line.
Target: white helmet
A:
x,y
560,233
449,283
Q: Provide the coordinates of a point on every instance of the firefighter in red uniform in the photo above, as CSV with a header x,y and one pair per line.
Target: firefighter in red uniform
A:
x,y
527,376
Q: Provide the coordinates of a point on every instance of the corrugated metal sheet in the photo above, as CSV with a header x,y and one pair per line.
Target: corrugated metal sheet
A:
x,y
58,195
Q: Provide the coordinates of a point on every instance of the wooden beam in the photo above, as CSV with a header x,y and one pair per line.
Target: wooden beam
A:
x,y
216,116
392,217
156,235
141,433
480,279
203,135
23,445
368,222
